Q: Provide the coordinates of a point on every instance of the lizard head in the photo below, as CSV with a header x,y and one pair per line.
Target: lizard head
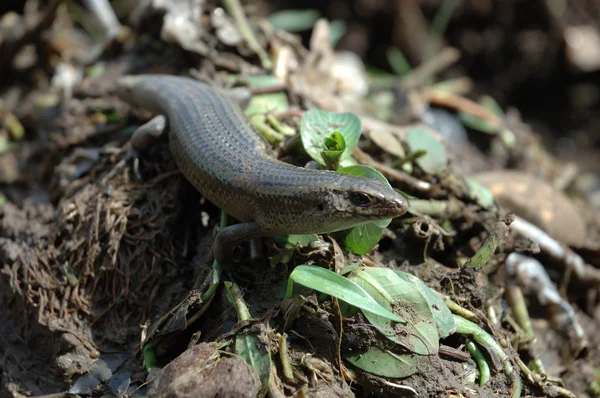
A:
x,y
365,199
346,201
319,201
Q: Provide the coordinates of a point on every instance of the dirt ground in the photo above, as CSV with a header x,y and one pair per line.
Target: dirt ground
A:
x,y
106,264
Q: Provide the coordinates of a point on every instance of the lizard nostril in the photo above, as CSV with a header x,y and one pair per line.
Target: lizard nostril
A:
x,y
401,204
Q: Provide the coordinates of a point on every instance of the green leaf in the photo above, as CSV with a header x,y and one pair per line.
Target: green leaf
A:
x,y
14,126
398,61
265,103
347,162
317,125
149,355
283,257
291,241
442,316
482,195
366,171
249,346
384,363
333,148
294,20
363,238
435,159
420,335
256,353
259,122
328,282
96,70
476,123
491,105
479,124
46,101
334,143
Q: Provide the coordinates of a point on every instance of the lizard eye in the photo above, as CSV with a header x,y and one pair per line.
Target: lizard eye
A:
x,y
359,199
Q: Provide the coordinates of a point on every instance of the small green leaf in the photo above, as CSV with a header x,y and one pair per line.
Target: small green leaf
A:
x,y
333,148
283,257
398,61
335,142
259,122
291,241
149,355
256,353
491,105
347,162
479,124
363,238
294,20
328,282
96,70
282,128
390,291
112,117
435,159
440,312
482,195
476,123
317,125
249,346
46,101
14,125
384,363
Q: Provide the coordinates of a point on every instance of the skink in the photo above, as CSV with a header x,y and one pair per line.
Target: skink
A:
x,y
218,152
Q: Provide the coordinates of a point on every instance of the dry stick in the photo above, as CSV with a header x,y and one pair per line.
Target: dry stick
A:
x,y
393,174
459,103
276,88
235,9
430,68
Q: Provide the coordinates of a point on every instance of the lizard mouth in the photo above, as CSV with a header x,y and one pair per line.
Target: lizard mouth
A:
x,y
390,209
396,208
